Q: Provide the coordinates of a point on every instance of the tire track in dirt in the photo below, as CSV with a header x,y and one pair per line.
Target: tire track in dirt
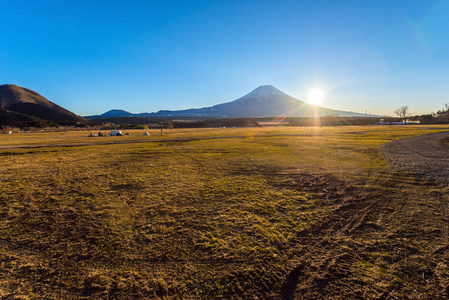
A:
x,y
327,255
375,246
426,155
386,242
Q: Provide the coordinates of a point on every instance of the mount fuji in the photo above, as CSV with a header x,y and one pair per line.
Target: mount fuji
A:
x,y
264,101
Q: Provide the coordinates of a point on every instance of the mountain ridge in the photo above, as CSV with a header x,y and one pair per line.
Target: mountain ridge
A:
x,y
264,101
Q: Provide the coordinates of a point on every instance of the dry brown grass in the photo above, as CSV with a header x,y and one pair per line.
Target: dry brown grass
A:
x,y
225,218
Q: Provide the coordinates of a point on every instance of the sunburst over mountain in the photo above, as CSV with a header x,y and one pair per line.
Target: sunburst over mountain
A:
x,y
264,101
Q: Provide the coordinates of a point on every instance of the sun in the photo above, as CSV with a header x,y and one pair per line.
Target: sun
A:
x,y
315,96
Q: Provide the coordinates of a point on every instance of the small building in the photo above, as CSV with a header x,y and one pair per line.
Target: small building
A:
x,y
385,122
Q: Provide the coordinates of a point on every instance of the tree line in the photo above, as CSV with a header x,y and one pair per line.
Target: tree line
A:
x,y
440,117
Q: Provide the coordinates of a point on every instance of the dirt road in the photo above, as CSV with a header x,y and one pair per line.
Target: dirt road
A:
x,y
426,155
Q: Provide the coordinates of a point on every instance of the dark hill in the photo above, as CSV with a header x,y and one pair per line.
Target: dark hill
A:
x,y
113,113
116,113
12,118
26,102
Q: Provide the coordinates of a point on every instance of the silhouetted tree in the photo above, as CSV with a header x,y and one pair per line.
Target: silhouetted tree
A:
x,y
403,112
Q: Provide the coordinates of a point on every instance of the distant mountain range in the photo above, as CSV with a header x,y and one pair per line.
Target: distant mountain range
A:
x,y
265,101
22,105
19,105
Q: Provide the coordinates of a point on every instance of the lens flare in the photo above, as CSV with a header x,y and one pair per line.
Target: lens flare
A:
x,y
315,97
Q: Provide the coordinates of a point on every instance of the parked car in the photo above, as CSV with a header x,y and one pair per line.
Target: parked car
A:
x,y
115,133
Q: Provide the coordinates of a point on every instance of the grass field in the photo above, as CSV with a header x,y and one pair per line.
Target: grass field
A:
x,y
252,214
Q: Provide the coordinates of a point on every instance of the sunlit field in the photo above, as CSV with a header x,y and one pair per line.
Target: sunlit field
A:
x,y
234,213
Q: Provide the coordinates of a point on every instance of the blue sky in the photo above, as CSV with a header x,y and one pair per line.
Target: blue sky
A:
x,y
143,56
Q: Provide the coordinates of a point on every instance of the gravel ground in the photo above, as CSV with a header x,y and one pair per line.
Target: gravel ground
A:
x,y
426,155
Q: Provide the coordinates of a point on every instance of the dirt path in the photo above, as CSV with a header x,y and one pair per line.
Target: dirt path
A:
x,y
426,155
384,239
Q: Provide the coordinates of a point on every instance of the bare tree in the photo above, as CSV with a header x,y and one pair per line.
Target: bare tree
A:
x,y
403,112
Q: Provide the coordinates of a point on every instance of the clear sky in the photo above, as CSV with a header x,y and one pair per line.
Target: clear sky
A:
x,y
143,56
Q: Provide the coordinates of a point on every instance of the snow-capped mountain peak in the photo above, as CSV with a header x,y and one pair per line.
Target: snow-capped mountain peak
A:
x,y
263,102
263,91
